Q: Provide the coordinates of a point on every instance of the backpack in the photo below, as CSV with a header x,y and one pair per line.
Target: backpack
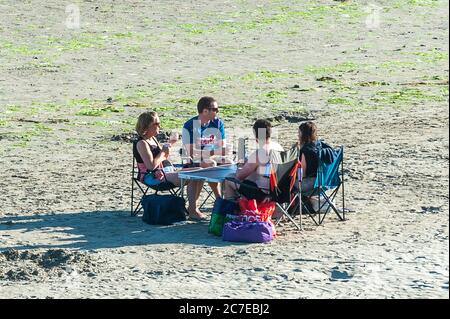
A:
x,y
163,209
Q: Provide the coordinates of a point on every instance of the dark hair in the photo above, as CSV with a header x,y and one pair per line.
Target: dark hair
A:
x,y
205,102
262,127
309,132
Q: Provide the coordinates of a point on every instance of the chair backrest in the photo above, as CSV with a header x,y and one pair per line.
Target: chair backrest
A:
x,y
328,174
134,170
291,154
282,180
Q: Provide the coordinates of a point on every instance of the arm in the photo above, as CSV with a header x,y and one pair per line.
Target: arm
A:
x,y
303,160
249,167
189,149
221,141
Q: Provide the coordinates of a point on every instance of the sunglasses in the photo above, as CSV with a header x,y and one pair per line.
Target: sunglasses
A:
x,y
156,124
215,109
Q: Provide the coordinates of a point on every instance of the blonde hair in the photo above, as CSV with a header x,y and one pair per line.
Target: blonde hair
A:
x,y
144,121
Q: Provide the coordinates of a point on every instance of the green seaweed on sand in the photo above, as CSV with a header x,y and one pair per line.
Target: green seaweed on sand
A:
x,y
406,95
79,102
341,101
237,110
274,96
171,122
184,100
100,111
338,68
432,56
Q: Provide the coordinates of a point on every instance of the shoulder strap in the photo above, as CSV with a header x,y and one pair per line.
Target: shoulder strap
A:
x,y
157,143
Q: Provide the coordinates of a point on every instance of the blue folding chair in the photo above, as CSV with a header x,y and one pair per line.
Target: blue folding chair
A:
x,y
330,177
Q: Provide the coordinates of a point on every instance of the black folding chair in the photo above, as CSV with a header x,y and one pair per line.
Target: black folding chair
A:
x,y
283,177
144,188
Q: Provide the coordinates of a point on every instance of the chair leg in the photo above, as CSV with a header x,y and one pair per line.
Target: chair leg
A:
x,y
207,197
285,213
310,213
136,210
342,178
330,200
132,196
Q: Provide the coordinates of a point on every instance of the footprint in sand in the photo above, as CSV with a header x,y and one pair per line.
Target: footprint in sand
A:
x,y
340,275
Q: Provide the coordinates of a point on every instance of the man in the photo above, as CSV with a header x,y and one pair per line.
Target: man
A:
x,y
203,137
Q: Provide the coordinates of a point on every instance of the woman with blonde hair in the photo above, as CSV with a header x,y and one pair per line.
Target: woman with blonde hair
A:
x,y
152,159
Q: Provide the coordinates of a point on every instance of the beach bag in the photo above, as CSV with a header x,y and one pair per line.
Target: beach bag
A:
x,y
252,211
223,212
248,232
163,209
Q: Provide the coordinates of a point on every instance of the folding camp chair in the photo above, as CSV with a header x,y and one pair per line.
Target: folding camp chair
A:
x,y
330,177
144,188
283,177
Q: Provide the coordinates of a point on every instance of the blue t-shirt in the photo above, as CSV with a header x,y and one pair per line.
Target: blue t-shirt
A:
x,y
205,136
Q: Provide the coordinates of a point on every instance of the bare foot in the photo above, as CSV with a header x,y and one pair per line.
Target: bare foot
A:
x,y
196,215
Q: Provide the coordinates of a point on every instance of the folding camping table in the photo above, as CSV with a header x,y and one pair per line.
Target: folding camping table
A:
x,y
215,174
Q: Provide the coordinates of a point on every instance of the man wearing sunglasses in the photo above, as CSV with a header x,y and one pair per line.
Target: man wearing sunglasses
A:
x,y
203,136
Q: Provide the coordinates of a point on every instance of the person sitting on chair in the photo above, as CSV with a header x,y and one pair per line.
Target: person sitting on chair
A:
x,y
203,136
310,147
256,171
152,159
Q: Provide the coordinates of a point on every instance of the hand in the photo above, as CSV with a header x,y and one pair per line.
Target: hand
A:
x,y
208,163
197,155
166,148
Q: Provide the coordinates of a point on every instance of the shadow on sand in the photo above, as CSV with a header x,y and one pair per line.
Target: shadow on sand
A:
x,y
101,229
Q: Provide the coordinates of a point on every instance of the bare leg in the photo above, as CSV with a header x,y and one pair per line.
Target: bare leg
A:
x,y
193,191
230,190
216,189
199,190
173,178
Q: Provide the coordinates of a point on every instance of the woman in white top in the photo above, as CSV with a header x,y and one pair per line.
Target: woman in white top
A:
x,y
256,171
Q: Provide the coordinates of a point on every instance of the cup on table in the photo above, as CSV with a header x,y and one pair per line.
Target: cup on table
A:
x,y
197,156
166,147
227,150
174,136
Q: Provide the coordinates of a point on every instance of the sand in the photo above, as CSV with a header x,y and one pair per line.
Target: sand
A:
x,y
373,76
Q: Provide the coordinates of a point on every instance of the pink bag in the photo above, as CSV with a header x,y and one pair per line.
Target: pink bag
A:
x,y
252,211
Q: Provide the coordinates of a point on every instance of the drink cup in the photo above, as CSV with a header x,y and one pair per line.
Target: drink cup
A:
x,y
174,136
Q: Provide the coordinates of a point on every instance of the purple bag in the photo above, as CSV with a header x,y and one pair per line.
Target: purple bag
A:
x,y
248,232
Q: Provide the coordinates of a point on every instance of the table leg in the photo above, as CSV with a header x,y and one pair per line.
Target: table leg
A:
x,y
182,188
222,189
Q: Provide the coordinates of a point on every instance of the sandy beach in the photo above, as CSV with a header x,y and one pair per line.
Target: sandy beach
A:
x,y
373,76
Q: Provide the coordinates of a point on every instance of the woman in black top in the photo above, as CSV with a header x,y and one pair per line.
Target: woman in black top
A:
x,y
150,156
309,154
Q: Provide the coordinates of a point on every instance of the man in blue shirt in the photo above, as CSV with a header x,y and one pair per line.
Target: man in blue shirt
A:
x,y
203,136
